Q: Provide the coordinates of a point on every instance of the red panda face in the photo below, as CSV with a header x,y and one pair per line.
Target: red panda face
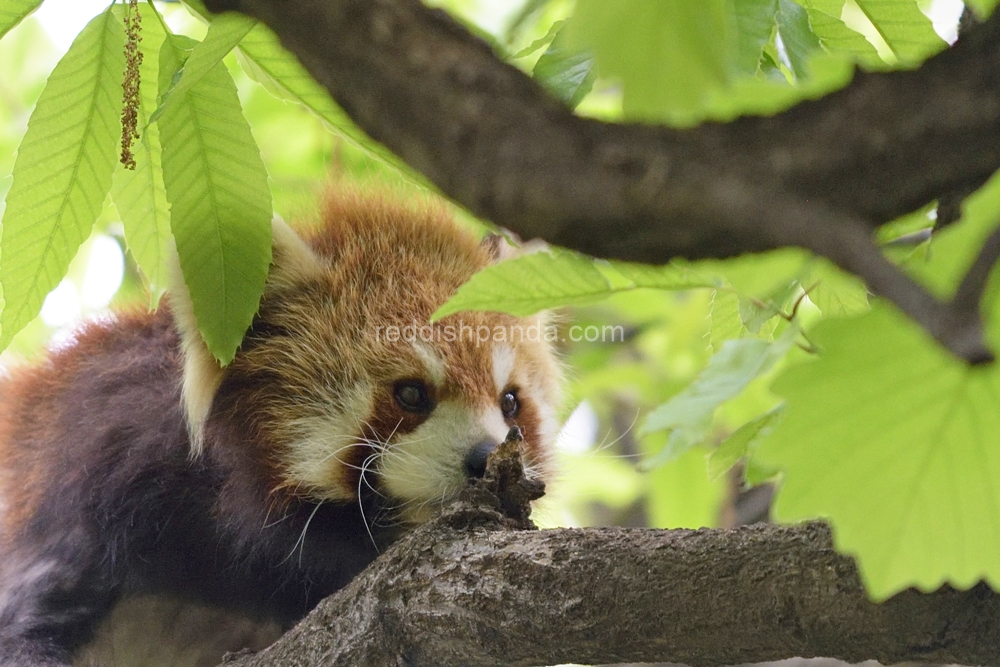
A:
x,y
433,427
346,385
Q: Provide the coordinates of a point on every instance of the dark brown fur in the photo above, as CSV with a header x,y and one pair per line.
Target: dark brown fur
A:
x,y
108,503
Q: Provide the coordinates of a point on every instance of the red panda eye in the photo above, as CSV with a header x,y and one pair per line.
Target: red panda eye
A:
x,y
412,396
509,405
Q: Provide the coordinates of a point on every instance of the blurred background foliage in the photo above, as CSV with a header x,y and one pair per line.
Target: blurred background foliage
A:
x,y
666,406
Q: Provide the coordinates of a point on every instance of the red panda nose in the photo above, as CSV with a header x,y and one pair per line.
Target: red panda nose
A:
x,y
475,460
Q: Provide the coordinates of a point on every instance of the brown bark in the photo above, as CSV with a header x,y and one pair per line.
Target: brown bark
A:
x,y
819,176
454,595
477,586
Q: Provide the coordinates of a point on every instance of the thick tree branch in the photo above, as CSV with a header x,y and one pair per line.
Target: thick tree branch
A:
x,y
488,136
476,586
496,142
446,597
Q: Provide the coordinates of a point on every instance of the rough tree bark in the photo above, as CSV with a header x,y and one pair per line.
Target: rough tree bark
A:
x,y
821,176
475,588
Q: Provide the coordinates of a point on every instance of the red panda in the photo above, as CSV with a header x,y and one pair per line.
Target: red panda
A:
x,y
211,508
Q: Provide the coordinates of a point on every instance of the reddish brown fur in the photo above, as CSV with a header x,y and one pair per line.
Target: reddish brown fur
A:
x,y
29,411
385,264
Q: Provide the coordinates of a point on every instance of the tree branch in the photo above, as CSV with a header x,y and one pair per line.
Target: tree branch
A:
x,y
447,597
478,586
493,140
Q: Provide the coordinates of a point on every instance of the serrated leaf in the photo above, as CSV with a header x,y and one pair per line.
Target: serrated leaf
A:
x,y
727,374
63,170
565,72
530,283
754,25
13,12
905,29
797,36
220,203
834,34
738,445
669,54
534,282
224,33
898,444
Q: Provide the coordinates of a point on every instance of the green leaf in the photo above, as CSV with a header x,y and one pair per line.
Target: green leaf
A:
x,y
739,444
524,15
760,275
727,374
898,444
541,42
834,34
954,249
63,170
534,282
905,29
13,12
669,54
826,73
756,315
139,195
836,293
220,203
224,33
530,283
725,322
677,275
754,25
565,72
271,65
681,495
797,36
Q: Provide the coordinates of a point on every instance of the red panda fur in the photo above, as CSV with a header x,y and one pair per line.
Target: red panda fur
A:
x,y
137,473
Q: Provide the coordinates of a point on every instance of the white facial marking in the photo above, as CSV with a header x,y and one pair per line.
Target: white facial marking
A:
x,y
316,442
432,362
427,465
503,365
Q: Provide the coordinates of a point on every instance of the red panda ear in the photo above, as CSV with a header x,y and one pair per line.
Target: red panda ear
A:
x,y
292,260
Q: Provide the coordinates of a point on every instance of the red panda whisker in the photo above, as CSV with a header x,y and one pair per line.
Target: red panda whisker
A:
x,y
300,543
361,506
